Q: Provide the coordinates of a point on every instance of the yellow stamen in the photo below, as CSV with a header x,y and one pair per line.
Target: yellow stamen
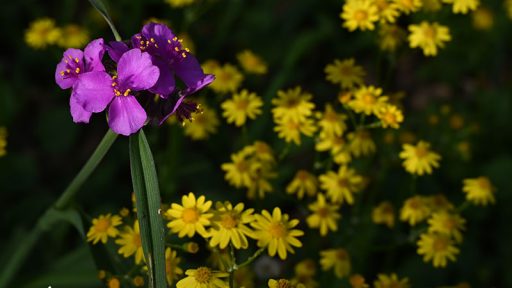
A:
x,y
127,92
77,70
76,60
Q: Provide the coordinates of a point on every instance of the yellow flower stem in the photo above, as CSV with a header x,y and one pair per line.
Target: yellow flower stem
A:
x,y
252,258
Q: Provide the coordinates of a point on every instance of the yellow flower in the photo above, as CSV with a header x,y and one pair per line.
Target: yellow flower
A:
x,y
209,66
360,14
438,203
437,247
361,143
463,6
293,104
103,227
227,79
388,11
244,277
415,210
368,100
172,270
179,3
138,281
428,37
432,5
305,269
239,172
113,283
479,191
204,124
419,159
131,243
508,8
3,141
324,215
243,105
283,283
203,277
390,37
384,214
303,183
229,225
345,72
448,224
251,62
337,259
290,129
340,186
483,19
191,217
276,232
358,281
73,36
336,145
332,123
41,33
391,281
408,6
390,116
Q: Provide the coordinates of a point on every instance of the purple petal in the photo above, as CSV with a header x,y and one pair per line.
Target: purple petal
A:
x,y
62,78
207,79
116,49
126,116
189,70
94,91
160,34
165,84
136,71
77,111
93,54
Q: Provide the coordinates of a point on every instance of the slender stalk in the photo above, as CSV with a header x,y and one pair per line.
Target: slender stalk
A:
x,y
252,258
233,268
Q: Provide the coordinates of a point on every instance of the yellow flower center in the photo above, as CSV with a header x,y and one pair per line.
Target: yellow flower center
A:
x,y
102,225
277,230
330,116
414,204
343,183
292,125
241,166
429,32
203,275
450,224
228,221
341,255
291,102
224,76
323,212
242,105
360,15
283,283
440,244
408,3
421,152
389,118
190,215
484,184
368,99
136,240
302,175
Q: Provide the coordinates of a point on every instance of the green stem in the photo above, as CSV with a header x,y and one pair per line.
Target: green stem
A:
x,y
252,258
463,207
233,268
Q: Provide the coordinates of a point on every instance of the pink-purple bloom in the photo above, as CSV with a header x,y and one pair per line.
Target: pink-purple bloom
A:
x,y
147,65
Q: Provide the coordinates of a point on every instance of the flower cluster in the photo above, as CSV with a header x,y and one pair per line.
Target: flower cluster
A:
x,y
3,141
145,66
43,32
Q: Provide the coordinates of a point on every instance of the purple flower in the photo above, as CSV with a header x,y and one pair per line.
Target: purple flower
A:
x,y
95,90
75,63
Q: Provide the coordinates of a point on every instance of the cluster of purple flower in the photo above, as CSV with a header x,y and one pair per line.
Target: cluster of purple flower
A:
x,y
146,65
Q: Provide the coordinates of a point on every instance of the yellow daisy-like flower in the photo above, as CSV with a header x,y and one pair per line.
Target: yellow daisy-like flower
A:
x,y
368,100
390,116
345,72
336,145
261,151
361,143
240,170
483,19
391,281
358,281
479,191
138,281
324,215
419,159
191,217
229,225
41,33
283,283
203,124
332,123
113,283
203,277
304,183
276,231
291,130
432,5
209,66
227,79
448,224
463,6
103,227
305,269
439,203
73,36
251,62
172,270
244,105
360,14
131,243
408,6
415,210
337,259
3,141
438,248
428,37
384,214
390,37
388,10
293,104
340,186
179,3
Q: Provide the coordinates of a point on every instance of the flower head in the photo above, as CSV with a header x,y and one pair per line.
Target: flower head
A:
x,y
415,210
244,105
293,104
131,243
384,214
3,141
368,100
408,6
304,183
203,277
341,185
276,231
419,159
336,259
228,79
332,123
251,62
390,116
73,36
345,72
479,191
463,6
361,143
446,223
360,14
103,227
390,37
203,122
41,33
428,37
229,225
392,280
172,270
324,215
191,217
437,247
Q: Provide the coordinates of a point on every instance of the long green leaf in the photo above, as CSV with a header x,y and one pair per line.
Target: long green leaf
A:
x,y
100,6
